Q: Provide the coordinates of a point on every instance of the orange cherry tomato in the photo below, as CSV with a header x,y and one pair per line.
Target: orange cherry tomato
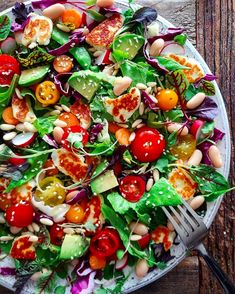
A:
x,y
47,93
63,64
8,117
75,214
184,147
69,118
72,16
96,262
167,99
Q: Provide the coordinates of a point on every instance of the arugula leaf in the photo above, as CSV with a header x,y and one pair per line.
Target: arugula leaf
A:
x,y
170,64
171,139
98,147
5,27
44,125
177,81
180,39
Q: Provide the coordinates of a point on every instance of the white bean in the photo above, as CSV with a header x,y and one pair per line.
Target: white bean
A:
x,y
46,221
36,227
104,3
7,127
33,239
141,268
197,202
58,134
156,47
195,158
196,100
141,86
149,184
15,230
30,127
30,228
215,156
54,11
60,123
151,84
9,136
156,175
148,90
6,238
139,228
121,85
177,127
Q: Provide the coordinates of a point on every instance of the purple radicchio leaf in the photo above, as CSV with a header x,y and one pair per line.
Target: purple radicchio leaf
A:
x,y
207,77
16,27
21,12
208,110
204,147
60,80
160,254
152,61
148,101
42,4
94,132
50,141
170,34
7,271
74,40
111,9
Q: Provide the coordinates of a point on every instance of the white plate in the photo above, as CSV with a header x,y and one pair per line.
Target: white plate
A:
x,y
178,251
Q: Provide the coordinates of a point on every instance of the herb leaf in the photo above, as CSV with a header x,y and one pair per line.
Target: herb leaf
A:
x,y
206,87
177,81
44,125
46,283
5,27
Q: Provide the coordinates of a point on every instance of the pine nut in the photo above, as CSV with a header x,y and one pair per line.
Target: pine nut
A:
x,y
148,90
195,158
156,175
136,123
196,100
55,112
135,237
123,126
97,53
149,184
58,134
18,94
127,160
69,231
60,123
116,66
177,127
121,85
20,127
36,227
141,108
151,84
215,156
115,72
33,239
46,221
7,127
139,228
6,238
156,47
141,86
140,126
65,108
197,202
57,107
30,228
132,137
63,28
141,268
9,136
15,230
30,128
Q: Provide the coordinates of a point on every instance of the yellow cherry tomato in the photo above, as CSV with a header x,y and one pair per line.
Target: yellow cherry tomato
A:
x,y
75,214
51,191
184,147
47,93
167,99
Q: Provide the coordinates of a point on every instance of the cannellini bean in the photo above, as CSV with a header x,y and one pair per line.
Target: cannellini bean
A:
x,y
54,11
30,127
135,237
46,221
58,134
9,136
15,230
197,202
121,85
196,100
33,239
7,127
141,86
104,3
60,123
151,84
156,47
141,268
30,228
176,127
195,158
139,228
215,156
36,227
149,184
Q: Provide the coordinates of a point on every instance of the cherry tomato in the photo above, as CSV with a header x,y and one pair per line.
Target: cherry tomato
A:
x,y
20,215
148,144
144,241
63,64
17,161
105,243
81,136
8,67
82,112
167,99
184,147
56,234
53,191
75,214
132,188
47,93
97,263
69,118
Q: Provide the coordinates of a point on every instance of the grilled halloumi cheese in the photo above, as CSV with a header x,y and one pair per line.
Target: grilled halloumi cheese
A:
x,y
195,72
102,36
37,31
123,107
22,110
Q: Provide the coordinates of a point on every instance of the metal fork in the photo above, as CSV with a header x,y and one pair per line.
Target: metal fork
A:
x,y
192,230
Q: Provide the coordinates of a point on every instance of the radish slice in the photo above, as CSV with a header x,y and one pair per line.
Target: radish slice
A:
x,y
103,58
172,48
196,127
24,139
120,264
8,46
86,19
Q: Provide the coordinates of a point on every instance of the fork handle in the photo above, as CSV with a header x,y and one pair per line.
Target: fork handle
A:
x,y
223,279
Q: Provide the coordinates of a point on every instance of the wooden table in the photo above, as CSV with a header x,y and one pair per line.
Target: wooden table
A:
x,y
210,25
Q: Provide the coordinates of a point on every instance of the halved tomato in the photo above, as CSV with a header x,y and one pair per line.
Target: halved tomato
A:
x,y
132,188
22,248
83,113
8,67
80,135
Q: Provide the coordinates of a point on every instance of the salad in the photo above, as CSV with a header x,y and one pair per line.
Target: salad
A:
x,y
104,120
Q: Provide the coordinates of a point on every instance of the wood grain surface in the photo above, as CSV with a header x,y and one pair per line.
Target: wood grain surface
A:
x,y
213,31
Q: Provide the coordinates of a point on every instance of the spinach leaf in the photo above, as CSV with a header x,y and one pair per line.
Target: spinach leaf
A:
x,y
190,92
208,110
174,115
180,39
170,64
44,125
5,27
161,164
177,81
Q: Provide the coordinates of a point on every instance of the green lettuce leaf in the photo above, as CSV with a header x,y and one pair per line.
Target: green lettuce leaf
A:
x,y
170,64
5,27
44,125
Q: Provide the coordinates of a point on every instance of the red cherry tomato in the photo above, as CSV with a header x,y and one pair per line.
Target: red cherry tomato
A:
x,y
144,241
105,243
56,235
20,215
148,144
8,67
74,129
132,188
17,161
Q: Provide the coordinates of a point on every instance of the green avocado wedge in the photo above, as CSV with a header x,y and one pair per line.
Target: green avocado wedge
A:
x,y
33,76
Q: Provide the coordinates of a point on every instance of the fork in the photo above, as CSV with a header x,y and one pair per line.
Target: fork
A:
x,y
192,230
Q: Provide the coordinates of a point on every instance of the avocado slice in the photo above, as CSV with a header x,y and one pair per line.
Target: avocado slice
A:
x,y
85,82
100,168
104,182
73,246
33,76
127,46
